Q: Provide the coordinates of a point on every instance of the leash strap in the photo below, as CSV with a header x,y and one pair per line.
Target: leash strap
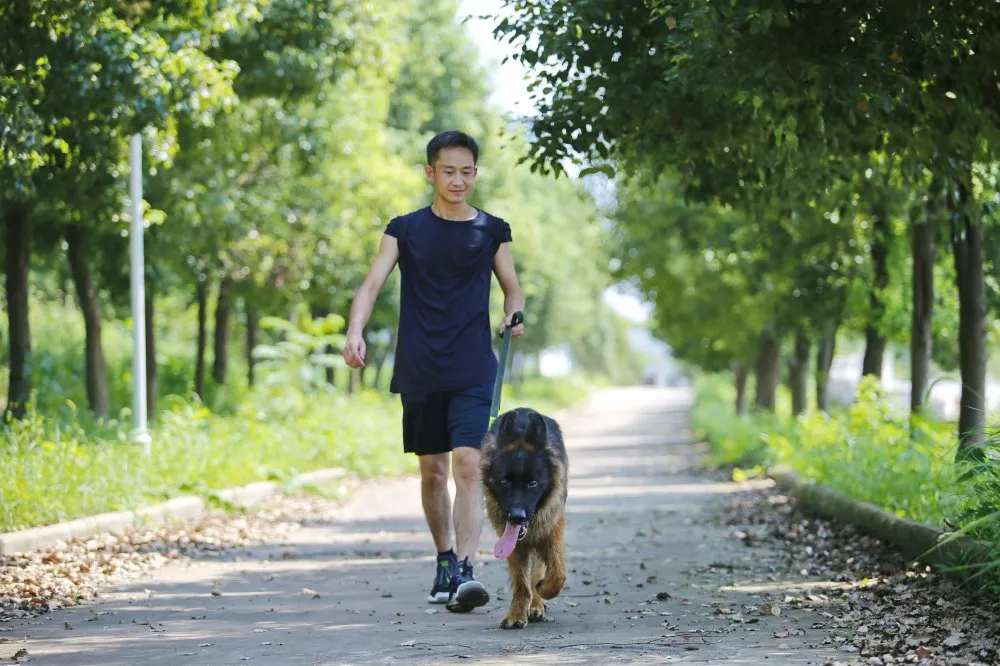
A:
x,y
516,318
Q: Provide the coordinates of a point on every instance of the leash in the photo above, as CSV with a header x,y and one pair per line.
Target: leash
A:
x,y
515,319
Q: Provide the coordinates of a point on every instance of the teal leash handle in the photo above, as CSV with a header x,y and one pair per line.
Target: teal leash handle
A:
x,y
515,319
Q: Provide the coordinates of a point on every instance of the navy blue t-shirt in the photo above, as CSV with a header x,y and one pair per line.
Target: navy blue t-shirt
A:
x,y
445,339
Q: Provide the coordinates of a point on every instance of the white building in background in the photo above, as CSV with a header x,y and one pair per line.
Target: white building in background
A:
x,y
555,361
945,393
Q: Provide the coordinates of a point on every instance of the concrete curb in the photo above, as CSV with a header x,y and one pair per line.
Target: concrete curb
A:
x,y
917,541
186,507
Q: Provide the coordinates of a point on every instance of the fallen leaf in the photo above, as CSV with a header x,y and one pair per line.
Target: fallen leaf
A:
x,y
67,626
663,596
924,652
768,608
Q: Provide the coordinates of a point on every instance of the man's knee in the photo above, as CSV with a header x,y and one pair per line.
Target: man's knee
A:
x,y
466,466
434,470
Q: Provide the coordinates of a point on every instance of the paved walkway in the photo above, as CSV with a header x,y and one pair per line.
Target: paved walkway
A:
x,y
652,578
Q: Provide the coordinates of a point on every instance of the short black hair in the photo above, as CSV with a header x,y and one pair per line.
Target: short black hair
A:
x,y
451,139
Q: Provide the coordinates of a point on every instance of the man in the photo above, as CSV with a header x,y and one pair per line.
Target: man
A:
x,y
445,365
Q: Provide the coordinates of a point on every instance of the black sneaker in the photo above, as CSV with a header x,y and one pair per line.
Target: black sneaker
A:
x,y
466,592
441,591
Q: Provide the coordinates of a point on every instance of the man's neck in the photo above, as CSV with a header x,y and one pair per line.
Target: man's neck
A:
x,y
460,212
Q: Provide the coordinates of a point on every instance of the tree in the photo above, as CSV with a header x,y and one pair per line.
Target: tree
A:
x,y
762,102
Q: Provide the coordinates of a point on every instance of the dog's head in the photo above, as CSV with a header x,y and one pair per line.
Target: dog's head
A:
x,y
518,471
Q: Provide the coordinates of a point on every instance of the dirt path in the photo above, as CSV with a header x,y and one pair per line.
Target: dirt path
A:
x,y
654,577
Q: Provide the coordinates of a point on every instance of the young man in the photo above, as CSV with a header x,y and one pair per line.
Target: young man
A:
x,y
445,365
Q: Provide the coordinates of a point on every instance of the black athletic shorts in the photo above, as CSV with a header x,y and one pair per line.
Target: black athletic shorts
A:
x,y
441,422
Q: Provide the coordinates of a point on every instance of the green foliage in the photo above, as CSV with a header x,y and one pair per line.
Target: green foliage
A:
x,y
300,356
863,451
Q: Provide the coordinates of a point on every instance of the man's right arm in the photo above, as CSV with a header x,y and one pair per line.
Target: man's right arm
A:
x,y
364,300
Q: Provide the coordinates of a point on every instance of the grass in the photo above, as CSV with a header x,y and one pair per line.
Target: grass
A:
x,y
61,463
862,450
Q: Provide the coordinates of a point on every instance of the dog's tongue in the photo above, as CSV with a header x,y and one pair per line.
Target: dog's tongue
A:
x,y
505,546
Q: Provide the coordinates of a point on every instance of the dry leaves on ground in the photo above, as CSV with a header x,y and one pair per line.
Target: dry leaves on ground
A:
x,y
35,583
887,610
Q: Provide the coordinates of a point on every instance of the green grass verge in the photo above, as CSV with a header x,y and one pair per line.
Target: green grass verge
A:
x,y
863,451
52,471
60,462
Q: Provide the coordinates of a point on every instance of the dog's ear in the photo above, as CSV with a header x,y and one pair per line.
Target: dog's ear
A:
x,y
506,426
536,433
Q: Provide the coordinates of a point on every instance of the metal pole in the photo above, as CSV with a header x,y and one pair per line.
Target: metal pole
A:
x,y
138,298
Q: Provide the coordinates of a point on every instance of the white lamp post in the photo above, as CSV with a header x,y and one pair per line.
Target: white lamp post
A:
x,y
138,298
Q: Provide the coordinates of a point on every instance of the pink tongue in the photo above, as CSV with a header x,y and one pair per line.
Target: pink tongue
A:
x,y
505,546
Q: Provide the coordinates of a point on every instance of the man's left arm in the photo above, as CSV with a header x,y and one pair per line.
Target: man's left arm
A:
x,y
513,297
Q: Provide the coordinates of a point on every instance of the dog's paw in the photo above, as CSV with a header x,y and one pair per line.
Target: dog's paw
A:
x,y
536,615
511,622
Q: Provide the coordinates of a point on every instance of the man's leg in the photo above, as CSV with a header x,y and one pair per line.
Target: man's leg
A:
x,y
425,433
468,502
468,418
436,500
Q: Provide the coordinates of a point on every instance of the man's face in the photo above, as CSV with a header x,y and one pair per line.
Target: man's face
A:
x,y
453,174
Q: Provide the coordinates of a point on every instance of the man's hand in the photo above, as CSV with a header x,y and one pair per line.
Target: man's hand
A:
x,y
354,350
515,332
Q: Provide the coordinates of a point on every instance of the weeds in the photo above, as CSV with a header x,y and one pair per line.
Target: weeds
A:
x,y
863,450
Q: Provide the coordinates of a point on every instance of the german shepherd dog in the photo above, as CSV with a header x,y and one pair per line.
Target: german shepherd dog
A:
x,y
524,469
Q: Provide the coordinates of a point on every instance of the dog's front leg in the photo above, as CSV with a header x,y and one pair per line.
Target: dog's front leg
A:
x,y
555,562
520,600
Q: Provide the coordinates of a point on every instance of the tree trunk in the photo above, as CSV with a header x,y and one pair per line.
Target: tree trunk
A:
x,y
380,364
824,360
222,308
798,373
875,341
253,328
86,293
152,375
199,366
18,228
967,248
923,252
767,371
740,374
331,375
